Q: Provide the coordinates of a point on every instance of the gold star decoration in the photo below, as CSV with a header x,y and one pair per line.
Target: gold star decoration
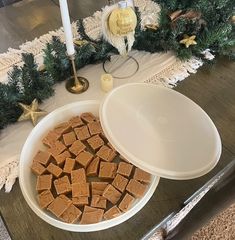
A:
x,y
31,112
188,41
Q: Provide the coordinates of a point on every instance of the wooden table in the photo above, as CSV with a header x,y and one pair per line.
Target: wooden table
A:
x,y
212,88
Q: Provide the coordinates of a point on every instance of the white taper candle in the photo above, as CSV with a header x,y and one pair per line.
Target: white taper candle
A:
x,y
67,27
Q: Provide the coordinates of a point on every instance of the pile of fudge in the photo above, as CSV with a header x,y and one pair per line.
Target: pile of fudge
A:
x,y
81,178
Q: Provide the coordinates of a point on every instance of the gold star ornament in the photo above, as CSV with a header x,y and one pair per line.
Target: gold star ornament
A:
x,y
31,112
188,41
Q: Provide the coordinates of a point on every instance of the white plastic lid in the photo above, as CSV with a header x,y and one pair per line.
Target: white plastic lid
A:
x,y
160,130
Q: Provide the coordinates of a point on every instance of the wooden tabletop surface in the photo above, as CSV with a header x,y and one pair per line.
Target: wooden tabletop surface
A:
x,y
213,88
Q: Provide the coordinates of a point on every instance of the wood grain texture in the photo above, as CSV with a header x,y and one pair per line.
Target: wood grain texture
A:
x,y
26,20
212,88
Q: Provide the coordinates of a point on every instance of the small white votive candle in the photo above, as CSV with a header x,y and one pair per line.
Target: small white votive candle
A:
x,y
106,82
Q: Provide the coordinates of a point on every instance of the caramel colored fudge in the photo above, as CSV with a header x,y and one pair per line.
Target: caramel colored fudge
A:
x,y
84,158
136,188
91,215
82,133
111,194
51,138
98,201
37,168
77,147
80,201
62,128
120,182
88,117
76,122
57,148
95,142
97,188
60,159
142,176
42,157
107,170
92,169
45,198
94,128
80,190
78,176
59,205
69,138
44,182
125,169
69,165
71,214
106,153
112,213
62,185
54,170
126,202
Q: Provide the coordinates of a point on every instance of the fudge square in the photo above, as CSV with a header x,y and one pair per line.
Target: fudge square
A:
x,y
76,122
80,190
37,168
82,133
50,139
94,128
142,176
91,215
92,169
98,201
42,157
59,205
77,147
44,182
69,138
112,213
80,201
107,170
62,128
62,185
97,188
60,159
88,117
84,158
106,153
69,165
57,148
125,169
45,198
136,188
71,214
54,170
95,142
126,202
120,182
112,194
78,176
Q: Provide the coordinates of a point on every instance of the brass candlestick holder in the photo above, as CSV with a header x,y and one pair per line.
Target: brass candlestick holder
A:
x,y
76,84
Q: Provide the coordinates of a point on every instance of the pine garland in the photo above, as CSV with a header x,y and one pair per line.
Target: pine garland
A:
x,y
213,30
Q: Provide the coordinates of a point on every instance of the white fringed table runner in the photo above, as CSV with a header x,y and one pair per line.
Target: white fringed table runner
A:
x,y
163,69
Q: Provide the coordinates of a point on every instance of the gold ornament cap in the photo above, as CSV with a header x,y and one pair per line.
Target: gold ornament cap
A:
x,y
122,4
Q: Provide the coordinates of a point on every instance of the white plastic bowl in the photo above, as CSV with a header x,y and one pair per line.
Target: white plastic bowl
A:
x,y
28,180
